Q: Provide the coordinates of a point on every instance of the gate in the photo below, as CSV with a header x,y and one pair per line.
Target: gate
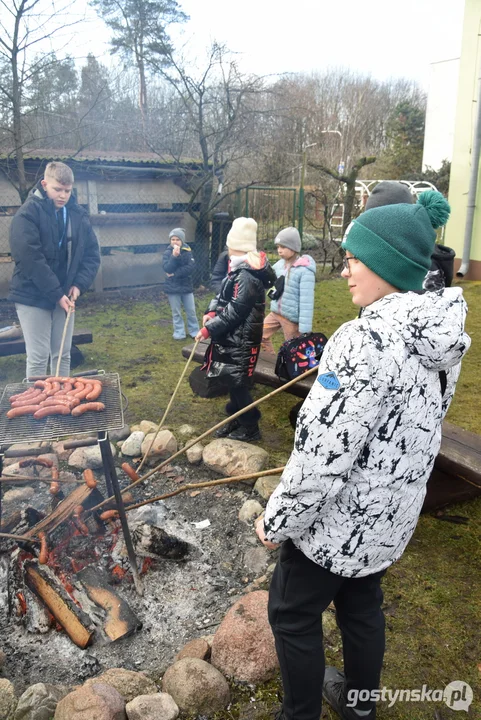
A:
x,y
273,208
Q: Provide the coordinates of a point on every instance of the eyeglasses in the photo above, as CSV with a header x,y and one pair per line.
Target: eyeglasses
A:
x,y
345,262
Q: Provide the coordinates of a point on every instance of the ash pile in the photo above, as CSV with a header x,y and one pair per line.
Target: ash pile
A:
x,y
69,606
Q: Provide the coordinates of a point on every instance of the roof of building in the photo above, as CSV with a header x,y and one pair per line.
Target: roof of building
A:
x,y
96,157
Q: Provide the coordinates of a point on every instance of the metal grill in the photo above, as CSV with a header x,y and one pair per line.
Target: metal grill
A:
x,y
26,429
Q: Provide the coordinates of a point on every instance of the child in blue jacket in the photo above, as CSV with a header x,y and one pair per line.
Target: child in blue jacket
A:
x,y
292,305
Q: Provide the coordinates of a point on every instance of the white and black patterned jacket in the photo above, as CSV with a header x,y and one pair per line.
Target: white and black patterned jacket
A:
x,y
368,433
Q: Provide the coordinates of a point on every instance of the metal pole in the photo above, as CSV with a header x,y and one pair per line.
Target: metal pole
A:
x,y
109,469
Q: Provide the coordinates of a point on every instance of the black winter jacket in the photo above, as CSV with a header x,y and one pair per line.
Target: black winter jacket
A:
x,y
221,268
34,244
236,329
181,268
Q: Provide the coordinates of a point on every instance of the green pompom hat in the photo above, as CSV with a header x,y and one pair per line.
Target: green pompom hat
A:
x,y
396,241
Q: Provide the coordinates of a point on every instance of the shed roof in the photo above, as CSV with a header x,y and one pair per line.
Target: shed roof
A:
x,y
107,157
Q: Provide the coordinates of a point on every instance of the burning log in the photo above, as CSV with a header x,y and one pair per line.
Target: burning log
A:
x,y
62,512
152,541
120,620
46,587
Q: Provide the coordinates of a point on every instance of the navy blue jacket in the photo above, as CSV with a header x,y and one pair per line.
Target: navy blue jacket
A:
x,y
34,244
181,268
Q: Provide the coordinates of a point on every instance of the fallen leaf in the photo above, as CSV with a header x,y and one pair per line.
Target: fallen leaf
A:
x,y
479,668
219,494
179,479
195,493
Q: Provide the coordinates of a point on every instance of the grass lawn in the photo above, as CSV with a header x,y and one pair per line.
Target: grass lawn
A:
x,y
432,596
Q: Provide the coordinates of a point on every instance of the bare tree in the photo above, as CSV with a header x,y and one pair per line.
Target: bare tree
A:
x,y
24,26
213,109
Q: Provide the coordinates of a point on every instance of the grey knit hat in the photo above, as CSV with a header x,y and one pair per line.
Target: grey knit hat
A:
x,y
389,192
179,233
289,238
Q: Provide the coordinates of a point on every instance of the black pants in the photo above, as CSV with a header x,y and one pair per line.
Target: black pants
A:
x,y
300,591
240,397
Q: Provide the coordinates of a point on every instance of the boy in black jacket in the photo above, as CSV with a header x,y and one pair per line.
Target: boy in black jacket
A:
x,y
178,265
56,258
234,321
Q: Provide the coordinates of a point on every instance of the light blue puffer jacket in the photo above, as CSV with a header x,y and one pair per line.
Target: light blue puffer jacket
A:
x,y
297,301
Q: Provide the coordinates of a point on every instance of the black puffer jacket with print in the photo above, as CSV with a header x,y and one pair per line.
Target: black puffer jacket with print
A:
x,y
236,329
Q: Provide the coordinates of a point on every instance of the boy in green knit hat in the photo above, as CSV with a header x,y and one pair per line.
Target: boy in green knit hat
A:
x,y
366,439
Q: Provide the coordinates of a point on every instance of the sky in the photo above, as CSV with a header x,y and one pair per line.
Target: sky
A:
x,y
379,37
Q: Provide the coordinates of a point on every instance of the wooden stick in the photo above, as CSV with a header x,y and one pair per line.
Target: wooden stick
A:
x,y
62,342
158,468
207,484
23,538
169,405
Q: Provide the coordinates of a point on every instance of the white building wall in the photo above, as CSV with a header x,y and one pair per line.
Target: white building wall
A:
x,y
441,113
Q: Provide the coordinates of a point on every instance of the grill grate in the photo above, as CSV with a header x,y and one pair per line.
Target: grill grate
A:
x,y
26,429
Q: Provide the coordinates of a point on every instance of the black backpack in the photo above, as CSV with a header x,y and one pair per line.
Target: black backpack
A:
x,y
299,354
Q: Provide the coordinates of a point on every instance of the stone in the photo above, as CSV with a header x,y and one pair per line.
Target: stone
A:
x,y
186,432
194,454
147,426
67,477
59,449
127,682
250,509
164,446
243,646
132,446
134,428
97,701
18,494
39,702
88,457
8,699
266,485
196,686
198,648
255,560
119,434
152,707
231,457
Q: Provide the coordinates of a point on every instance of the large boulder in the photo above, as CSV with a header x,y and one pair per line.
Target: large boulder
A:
x,y
243,646
196,686
132,446
88,457
152,707
198,648
39,702
8,699
96,701
266,485
251,509
127,682
231,457
164,446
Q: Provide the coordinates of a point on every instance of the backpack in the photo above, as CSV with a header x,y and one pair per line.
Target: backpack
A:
x,y
299,354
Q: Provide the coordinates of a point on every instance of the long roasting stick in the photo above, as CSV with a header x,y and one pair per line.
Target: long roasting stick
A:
x,y
62,342
163,464
169,405
207,484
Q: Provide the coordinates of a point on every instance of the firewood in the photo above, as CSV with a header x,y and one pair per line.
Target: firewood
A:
x,y
120,621
45,586
61,512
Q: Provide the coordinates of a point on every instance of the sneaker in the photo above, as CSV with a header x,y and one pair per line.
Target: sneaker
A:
x,y
183,337
246,434
226,429
333,693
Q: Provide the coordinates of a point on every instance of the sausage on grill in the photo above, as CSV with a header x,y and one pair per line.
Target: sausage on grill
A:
x,y
30,393
96,392
86,407
128,470
43,462
51,410
89,478
19,411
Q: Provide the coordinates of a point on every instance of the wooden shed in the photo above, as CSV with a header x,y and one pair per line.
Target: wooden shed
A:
x,y
134,200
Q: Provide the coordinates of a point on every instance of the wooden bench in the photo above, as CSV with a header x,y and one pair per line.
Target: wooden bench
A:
x,y
457,470
16,347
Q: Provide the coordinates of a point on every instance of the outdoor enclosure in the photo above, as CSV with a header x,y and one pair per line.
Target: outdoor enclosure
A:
x,y
133,201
